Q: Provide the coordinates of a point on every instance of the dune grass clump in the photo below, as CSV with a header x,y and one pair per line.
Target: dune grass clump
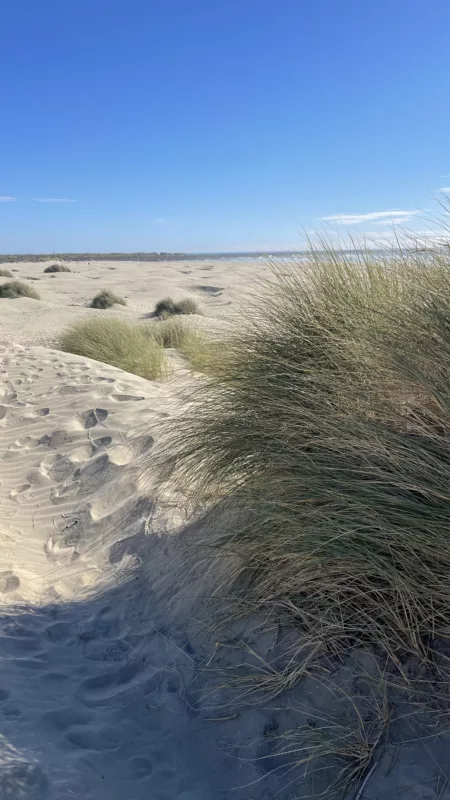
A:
x,y
17,289
118,343
106,299
170,332
168,307
199,352
5,273
57,268
187,306
324,429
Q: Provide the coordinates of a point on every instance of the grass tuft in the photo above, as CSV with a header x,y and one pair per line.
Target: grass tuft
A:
x,y
168,307
200,353
57,268
5,273
170,332
324,429
17,289
187,306
106,299
118,343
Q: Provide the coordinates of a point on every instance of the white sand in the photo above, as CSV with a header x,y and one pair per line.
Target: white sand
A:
x,y
218,286
104,693
99,680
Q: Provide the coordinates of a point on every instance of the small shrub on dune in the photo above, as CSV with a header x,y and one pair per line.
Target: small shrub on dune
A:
x,y
106,299
57,268
165,308
187,306
5,273
118,343
324,428
17,289
168,307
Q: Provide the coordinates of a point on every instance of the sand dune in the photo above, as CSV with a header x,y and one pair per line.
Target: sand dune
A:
x,y
99,687
106,686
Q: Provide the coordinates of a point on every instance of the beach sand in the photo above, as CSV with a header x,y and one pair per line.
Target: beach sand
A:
x,y
218,286
105,686
99,692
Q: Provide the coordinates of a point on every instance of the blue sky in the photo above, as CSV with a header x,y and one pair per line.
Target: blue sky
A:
x,y
212,125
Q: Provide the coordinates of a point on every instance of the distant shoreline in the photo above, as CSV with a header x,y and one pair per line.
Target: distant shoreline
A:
x,y
139,256
37,257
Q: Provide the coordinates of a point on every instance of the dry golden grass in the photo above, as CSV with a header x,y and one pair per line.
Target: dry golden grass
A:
x,y
170,332
174,332
17,289
118,343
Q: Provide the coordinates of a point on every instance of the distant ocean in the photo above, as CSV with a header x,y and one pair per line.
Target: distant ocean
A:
x,y
254,256
285,255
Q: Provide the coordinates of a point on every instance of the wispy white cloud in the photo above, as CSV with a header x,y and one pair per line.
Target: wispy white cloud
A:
x,y
160,220
384,216
53,200
6,198
444,176
397,220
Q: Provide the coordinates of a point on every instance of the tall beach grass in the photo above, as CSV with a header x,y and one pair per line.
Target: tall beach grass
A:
x,y
324,428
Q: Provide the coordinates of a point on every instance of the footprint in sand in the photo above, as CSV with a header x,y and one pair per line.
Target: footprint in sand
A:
x,y
59,467
94,417
38,476
9,582
141,766
63,718
21,494
99,740
102,441
126,453
213,291
101,689
8,394
56,439
64,493
54,552
36,413
18,446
